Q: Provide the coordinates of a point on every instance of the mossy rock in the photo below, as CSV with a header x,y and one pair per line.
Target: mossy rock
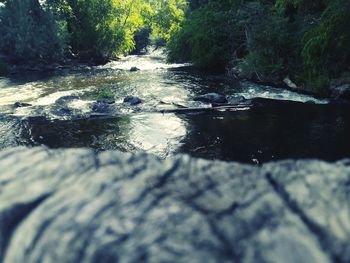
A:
x,y
106,97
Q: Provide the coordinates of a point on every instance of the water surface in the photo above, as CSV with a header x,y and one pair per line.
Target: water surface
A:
x,y
293,126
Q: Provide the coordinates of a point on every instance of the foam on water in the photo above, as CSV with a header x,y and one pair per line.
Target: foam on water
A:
x,y
151,61
250,91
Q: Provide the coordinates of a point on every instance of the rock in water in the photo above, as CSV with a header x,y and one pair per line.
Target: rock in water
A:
x,y
134,69
340,88
66,99
132,100
341,92
79,206
106,100
101,107
290,84
211,98
21,104
237,100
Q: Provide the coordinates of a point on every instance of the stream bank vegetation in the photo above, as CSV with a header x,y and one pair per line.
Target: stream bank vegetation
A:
x,y
53,30
302,41
268,40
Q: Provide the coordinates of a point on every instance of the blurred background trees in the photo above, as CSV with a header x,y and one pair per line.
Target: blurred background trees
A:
x,y
54,29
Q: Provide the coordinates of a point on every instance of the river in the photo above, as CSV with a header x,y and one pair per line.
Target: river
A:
x,y
293,126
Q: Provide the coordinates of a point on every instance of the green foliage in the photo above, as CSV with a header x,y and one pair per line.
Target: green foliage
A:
x,y
167,17
308,40
109,27
179,49
285,3
269,44
105,95
326,50
308,6
29,31
161,18
206,37
194,4
102,27
50,30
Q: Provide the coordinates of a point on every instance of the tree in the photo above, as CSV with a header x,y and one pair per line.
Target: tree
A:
x,y
206,37
268,39
29,31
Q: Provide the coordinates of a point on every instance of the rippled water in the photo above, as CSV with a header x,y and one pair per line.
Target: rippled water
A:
x,y
272,131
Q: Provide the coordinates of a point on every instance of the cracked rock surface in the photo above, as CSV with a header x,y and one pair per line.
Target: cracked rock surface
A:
x,y
78,206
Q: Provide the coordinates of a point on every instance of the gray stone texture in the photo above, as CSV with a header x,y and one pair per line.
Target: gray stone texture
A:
x,y
78,206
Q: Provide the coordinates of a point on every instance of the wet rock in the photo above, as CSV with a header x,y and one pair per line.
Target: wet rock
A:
x,y
134,69
115,207
101,107
99,60
132,100
340,88
65,111
93,58
52,67
61,107
66,99
21,104
106,101
211,98
290,84
310,102
341,91
236,100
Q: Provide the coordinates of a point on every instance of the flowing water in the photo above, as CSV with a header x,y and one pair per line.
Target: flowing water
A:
x,y
290,126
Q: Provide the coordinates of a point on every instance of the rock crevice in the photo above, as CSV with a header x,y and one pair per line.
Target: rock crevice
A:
x,y
75,205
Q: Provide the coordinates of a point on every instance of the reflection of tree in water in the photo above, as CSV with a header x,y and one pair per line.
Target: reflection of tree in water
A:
x,y
280,131
100,134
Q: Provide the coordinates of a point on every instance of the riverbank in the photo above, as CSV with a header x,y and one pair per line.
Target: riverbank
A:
x,y
8,69
339,89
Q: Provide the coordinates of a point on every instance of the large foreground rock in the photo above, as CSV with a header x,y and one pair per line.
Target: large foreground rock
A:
x,y
77,206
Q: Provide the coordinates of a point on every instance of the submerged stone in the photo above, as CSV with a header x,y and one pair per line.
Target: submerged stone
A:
x,y
132,100
211,98
21,104
66,99
236,100
341,92
101,107
134,69
106,101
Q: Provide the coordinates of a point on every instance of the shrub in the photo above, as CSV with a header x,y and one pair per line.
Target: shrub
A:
x,y
105,95
206,38
326,50
270,44
30,32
